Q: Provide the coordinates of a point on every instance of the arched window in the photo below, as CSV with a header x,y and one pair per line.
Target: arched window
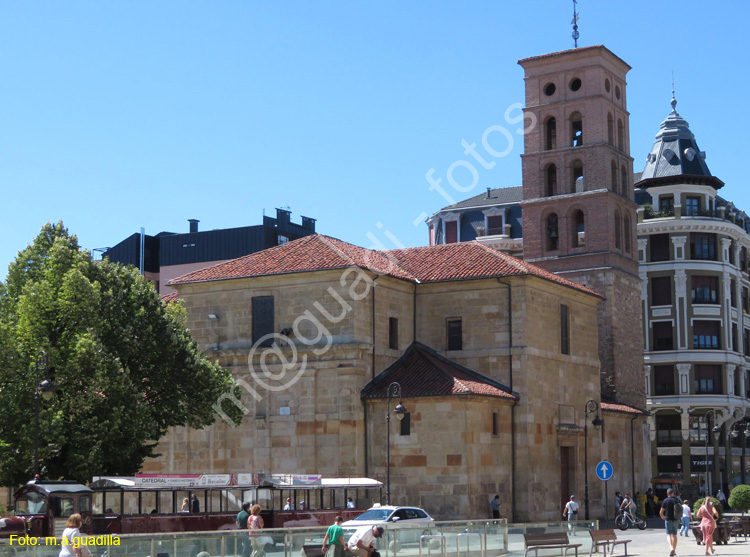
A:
x,y
618,230
550,141
576,129
620,135
578,229
627,234
576,170
550,180
610,129
614,176
624,181
552,234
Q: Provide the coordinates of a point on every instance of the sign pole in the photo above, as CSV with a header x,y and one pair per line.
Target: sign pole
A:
x,y
606,502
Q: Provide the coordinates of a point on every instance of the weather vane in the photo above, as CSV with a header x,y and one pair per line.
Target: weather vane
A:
x,y
574,23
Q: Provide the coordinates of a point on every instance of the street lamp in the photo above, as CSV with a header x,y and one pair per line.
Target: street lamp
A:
x,y
717,429
394,391
45,389
592,407
745,428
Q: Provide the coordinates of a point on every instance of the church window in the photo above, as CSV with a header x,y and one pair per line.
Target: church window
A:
x,y
393,333
263,319
624,181
575,85
628,234
661,291
549,89
552,232
613,168
620,135
551,180
495,424
610,129
564,330
662,331
405,427
617,92
576,130
551,133
618,230
455,334
607,85
578,229
577,175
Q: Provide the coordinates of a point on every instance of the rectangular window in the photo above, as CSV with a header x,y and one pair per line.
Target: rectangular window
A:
x,y
393,333
668,429
746,342
666,205
262,319
704,290
661,291
743,259
732,293
703,246
564,330
706,335
494,225
283,239
495,425
405,427
451,232
734,336
692,206
662,335
455,334
707,379
659,246
663,380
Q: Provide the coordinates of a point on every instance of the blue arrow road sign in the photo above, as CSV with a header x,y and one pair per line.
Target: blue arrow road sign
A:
x,y
604,470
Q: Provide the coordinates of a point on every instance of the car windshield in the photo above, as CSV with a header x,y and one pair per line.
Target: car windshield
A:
x,y
375,514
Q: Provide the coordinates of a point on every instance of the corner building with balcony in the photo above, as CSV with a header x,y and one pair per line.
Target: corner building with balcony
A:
x,y
693,254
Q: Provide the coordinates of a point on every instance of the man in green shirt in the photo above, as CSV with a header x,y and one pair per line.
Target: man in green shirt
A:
x,y
334,535
241,521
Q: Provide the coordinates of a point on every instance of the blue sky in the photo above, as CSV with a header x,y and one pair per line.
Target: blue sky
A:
x,y
121,115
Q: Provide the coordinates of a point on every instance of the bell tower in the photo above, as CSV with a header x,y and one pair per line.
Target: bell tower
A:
x,y
579,214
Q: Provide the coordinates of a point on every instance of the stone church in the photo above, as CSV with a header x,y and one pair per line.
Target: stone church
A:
x,y
517,377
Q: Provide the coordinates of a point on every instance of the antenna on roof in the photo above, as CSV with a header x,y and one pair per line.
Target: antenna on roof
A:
x,y
574,23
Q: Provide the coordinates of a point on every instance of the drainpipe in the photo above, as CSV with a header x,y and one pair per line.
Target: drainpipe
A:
x,y
512,408
364,419
414,315
372,364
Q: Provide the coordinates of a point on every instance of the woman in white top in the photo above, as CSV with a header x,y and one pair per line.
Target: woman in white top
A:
x,y
687,516
74,544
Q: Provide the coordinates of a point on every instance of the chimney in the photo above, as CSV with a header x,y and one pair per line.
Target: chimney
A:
x,y
308,224
488,193
193,225
282,217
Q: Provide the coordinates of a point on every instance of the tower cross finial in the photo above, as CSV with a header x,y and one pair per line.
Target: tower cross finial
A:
x,y
574,23
673,102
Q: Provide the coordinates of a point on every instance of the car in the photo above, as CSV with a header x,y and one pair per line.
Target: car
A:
x,y
391,517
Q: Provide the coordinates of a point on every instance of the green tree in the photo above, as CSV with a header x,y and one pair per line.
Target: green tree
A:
x,y
124,363
739,499
699,503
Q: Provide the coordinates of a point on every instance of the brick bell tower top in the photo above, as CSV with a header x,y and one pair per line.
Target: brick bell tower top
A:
x,y
578,208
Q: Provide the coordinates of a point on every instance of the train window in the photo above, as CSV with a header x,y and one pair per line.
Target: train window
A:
x,y
165,501
62,507
84,503
31,503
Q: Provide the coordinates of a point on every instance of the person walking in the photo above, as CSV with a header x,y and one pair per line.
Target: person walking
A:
x,y
571,510
671,511
254,526
333,542
495,506
241,521
687,516
76,542
708,514
618,502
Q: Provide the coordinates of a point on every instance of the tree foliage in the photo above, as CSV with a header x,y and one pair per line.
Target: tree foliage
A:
x,y
124,364
699,503
739,499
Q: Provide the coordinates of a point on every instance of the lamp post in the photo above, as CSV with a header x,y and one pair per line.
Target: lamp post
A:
x,y
716,429
394,391
592,407
45,388
745,429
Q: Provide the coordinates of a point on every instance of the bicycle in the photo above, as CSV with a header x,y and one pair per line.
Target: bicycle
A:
x,y
626,520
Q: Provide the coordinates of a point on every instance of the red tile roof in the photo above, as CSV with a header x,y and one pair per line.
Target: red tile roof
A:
x,y
171,297
615,407
423,372
461,261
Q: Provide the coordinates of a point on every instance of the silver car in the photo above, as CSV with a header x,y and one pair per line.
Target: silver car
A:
x,y
413,519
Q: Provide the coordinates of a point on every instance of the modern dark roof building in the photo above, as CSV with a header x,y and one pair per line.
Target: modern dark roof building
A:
x,y
168,254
